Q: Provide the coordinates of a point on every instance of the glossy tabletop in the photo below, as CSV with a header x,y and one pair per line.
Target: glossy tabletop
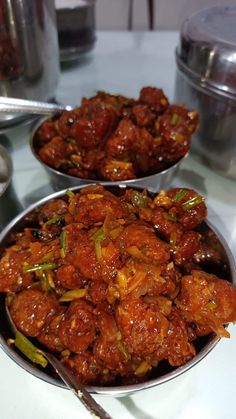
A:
x,y
123,62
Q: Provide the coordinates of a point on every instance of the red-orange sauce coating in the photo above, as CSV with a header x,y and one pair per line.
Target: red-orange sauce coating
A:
x,y
140,290
112,137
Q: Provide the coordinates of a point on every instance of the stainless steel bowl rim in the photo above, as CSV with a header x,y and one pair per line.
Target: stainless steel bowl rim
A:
x,y
203,84
117,391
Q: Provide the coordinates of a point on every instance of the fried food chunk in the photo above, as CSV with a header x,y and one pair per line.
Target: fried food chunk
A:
x,y
207,301
77,328
31,308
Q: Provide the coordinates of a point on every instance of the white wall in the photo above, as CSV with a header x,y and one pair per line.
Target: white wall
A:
x,y
169,14
113,14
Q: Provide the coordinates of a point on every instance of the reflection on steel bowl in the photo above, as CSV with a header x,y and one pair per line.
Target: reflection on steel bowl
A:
x,y
115,138
128,289
5,170
9,203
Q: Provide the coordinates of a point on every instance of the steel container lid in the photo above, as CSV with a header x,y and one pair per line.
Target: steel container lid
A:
x,y
206,53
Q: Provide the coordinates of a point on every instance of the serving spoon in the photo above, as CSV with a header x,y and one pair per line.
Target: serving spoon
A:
x,y
95,409
15,105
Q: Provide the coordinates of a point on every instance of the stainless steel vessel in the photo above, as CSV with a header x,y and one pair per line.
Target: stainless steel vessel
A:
x,y
76,28
29,66
206,81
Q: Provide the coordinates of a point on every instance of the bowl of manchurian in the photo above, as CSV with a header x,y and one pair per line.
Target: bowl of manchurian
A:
x,y
112,138
129,289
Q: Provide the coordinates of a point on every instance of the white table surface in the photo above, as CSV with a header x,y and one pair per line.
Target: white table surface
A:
x,y
123,62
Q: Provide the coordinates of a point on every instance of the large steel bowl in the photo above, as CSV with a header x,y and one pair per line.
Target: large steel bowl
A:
x,y
161,375
60,180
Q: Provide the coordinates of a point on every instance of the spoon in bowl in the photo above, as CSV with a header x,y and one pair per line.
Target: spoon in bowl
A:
x,y
95,409
15,105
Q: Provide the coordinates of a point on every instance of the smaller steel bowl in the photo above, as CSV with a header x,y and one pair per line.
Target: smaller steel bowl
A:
x,y
163,374
60,180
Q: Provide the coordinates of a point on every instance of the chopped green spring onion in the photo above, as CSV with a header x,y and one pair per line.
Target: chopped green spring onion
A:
x,y
122,349
29,350
47,257
142,369
192,202
179,195
174,119
53,220
63,243
98,250
39,267
37,210
98,237
45,283
69,193
73,295
170,217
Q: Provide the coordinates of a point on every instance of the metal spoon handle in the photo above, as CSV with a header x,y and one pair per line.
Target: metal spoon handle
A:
x,y
15,105
80,391
97,412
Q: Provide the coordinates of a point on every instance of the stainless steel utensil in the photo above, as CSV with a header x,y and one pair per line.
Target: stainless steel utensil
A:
x,y
78,389
29,66
30,106
74,385
206,81
9,203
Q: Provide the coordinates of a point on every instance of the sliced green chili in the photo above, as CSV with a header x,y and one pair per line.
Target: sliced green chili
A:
x,y
29,350
191,203
39,267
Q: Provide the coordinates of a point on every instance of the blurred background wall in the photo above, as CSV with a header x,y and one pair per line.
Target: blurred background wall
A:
x,y
168,14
